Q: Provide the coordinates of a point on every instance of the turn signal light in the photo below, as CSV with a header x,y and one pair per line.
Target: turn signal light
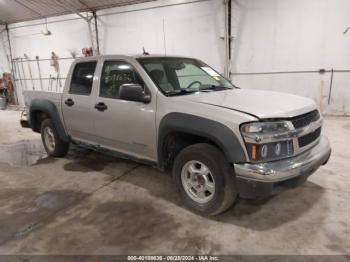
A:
x,y
253,152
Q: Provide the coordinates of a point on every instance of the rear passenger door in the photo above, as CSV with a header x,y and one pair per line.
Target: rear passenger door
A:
x,y
78,102
125,126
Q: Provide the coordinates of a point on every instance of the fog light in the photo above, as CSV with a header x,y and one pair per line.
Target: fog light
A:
x,y
264,151
278,149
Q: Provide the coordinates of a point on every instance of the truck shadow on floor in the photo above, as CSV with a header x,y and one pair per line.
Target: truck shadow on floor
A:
x,y
258,215
276,210
86,160
253,214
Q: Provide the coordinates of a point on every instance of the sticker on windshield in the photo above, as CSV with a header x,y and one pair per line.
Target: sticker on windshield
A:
x,y
210,71
217,78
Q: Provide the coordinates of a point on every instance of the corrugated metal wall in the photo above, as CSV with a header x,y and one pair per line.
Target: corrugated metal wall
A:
x,y
288,41
283,44
172,26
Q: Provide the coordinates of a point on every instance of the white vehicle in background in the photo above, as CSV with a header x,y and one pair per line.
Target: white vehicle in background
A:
x,y
179,114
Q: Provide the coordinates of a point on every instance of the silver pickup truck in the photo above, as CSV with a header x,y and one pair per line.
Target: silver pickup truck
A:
x,y
179,114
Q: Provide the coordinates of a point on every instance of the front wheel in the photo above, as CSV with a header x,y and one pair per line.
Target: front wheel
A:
x,y
205,179
53,144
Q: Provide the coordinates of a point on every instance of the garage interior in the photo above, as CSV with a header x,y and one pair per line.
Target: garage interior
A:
x,y
89,203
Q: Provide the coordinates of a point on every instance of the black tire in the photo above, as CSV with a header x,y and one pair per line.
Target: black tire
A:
x,y
60,148
221,172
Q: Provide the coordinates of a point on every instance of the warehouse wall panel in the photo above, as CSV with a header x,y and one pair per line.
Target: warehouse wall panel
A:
x,y
294,35
175,27
163,27
26,38
271,36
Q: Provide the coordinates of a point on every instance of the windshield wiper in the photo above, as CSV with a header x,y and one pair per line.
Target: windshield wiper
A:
x,y
181,92
201,88
214,87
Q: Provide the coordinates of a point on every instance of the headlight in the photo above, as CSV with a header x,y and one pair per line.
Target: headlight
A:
x,y
266,141
261,128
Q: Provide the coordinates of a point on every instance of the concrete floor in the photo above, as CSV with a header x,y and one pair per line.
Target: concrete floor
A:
x,y
89,203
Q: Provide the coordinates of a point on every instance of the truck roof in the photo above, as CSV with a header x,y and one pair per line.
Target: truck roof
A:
x,y
116,56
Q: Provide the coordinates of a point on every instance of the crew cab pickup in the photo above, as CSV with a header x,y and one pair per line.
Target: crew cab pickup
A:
x,y
221,142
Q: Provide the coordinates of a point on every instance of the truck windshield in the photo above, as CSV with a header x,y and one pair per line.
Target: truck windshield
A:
x,y
176,76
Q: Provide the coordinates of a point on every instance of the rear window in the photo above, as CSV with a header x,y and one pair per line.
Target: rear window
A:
x,y
82,79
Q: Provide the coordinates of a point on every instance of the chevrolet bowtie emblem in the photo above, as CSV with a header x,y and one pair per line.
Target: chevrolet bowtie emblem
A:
x,y
313,126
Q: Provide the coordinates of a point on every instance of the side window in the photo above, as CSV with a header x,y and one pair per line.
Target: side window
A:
x,y
83,76
115,74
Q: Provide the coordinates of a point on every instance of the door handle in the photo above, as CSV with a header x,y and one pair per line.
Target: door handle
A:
x,y
69,102
101,106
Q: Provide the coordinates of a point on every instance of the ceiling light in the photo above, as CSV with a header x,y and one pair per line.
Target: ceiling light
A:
x,y
46,31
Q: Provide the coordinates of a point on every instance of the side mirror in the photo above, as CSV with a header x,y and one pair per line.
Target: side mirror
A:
x,y
133,92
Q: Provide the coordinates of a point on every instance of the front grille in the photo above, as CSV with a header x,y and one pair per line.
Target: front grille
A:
x,y
309,138
306,119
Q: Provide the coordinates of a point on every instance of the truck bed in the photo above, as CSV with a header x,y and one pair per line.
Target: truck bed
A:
x,y
54,97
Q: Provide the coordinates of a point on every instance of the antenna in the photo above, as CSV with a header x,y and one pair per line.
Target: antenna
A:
x,y
164,39
144,51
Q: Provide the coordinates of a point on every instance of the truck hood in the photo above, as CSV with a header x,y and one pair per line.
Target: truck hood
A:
x,y
262,104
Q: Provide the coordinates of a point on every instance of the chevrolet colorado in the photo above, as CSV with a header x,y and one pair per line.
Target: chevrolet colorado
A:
x,y
179,114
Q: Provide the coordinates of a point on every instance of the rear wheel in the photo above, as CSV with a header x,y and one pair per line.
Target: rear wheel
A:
x,y
205,179
53,145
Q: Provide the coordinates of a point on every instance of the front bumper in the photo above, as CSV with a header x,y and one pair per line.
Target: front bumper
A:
x,y
263,179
